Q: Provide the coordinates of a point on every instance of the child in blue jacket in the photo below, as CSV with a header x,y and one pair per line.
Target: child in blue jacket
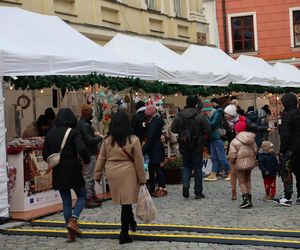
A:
x,y
268,164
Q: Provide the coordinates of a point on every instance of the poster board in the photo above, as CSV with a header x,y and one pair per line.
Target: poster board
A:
x,y
33,183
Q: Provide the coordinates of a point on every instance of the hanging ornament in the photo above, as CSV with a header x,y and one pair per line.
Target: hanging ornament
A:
x,y
105,105
90,99
110,98
101,94
127,99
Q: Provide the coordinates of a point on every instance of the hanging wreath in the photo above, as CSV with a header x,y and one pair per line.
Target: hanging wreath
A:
x,y
23,101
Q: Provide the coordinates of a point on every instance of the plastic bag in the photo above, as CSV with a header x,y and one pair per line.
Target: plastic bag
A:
x,y
145,209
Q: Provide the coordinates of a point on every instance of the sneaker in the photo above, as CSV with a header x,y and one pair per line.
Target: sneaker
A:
x,y
160,192
228,178
298,201
199,196
185,192
267,198
282,201
212,177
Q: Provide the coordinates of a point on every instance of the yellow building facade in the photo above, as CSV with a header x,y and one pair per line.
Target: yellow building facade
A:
x,y
175,23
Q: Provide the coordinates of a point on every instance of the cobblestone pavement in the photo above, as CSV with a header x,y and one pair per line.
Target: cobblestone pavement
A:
x,y
215,210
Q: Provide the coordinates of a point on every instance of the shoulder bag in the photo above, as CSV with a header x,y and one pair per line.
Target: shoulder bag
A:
x,y
54,159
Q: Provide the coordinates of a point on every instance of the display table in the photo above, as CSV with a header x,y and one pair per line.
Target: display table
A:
x,y
33,189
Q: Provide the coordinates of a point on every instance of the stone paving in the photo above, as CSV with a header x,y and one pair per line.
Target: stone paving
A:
x,y
215,210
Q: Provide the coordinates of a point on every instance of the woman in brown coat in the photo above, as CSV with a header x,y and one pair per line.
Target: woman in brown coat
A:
x,y
242,154
122,158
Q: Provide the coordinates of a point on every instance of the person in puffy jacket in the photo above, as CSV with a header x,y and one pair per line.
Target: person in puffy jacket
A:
x,y
68,174
268,165
242,154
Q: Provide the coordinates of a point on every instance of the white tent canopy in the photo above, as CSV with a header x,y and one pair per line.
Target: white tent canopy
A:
x,y
289,73
217,60
260,69
172,68
35,44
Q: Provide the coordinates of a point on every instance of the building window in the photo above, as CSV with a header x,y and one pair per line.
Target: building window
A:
x,y
177,8
150,4
296,27
242,34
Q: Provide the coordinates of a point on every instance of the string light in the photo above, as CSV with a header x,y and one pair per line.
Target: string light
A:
x,y
176,94
230,95
258,97
164,97
86,88
11,87
277,98
42,91
136,93
264,97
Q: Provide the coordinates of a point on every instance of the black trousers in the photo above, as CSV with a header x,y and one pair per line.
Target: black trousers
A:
x,y
156,174
126,218
290,165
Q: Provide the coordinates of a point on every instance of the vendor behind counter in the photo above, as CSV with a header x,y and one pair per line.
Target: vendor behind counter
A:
x,y
38,128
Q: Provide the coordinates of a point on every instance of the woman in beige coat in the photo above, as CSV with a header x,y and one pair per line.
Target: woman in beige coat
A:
x,y
122,158
242,154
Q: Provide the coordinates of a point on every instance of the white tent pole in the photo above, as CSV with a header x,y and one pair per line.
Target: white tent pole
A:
x,y
33,104
254,101
4,211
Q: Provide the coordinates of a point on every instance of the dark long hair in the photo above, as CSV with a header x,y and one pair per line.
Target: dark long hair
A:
x,y
120,129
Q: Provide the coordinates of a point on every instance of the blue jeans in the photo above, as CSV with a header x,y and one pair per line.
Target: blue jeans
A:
x,y
67,202
192,161
218,156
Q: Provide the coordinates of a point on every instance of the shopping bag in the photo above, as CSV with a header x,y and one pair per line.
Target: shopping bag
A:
x,y
145,209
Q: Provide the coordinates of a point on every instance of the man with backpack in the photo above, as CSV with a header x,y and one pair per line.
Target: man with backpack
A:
x,y
190,125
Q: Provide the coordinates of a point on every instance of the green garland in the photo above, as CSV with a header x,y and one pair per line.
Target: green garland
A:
x,y
135,84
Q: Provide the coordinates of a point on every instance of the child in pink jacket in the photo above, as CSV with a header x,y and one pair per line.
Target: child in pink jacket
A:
x,y
242,154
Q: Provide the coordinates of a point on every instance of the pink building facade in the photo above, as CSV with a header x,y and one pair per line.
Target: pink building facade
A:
x,y
269,29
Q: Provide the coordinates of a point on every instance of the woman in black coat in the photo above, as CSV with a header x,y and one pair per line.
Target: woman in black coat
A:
x,y
68,174
154,148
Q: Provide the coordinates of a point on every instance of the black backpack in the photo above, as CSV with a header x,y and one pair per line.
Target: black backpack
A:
x,y
188,134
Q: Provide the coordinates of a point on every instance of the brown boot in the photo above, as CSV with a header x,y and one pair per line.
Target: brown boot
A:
x,y
70,237
73,227
91,203
97,200
233,195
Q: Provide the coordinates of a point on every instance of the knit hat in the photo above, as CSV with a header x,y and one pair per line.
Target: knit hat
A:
x,y
207,106
231,110
241,125
267,146
86,110
150,110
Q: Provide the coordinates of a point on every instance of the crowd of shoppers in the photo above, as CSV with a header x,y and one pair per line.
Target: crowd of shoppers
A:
x,y
132,144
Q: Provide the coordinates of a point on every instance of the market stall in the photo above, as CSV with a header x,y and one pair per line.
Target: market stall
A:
x,y
28,49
